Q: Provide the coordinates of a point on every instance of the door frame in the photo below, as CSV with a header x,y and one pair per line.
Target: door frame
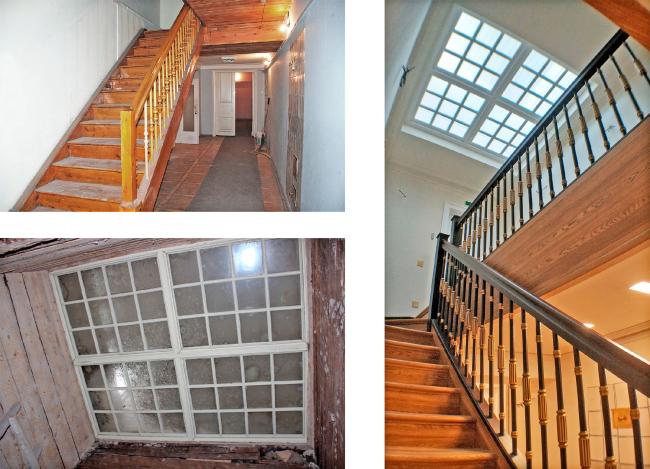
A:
x,y
216,84
445,226
197,112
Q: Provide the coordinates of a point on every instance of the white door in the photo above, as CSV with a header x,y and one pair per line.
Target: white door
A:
x,y
188,130
224,104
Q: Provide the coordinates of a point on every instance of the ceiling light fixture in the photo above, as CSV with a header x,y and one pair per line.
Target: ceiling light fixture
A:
x,y
587,325
643,287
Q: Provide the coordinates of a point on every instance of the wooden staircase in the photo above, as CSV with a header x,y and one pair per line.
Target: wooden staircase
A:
x,y
430,421
86,174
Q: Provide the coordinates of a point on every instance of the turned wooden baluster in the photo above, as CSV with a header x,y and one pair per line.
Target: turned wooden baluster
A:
x,y
572,143
451,299
513,379
598,117
542,408
583,128
501,368
636,427
481,345
492,219
512,199
558,151
491,355
475,328
520,191
161,112
474,216
505,207
638,64
562,437
485,228
146,143
612,103
456,303
549,165
463,245
626,87
468,320
154,111
538,175
583,442
461,319
498,216
610,460
479,231
443,296
458,307
526,391
529,185
168,88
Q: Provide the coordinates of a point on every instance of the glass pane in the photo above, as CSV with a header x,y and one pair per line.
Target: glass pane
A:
x,y
260,423
164,372
456,94
489,127
106,422
457,44
247,258
541,110
146,274
257,368
144,399
193,332
467,24
286,325
168,399
478,54
94,282
258,397
131,338
219,297
77,315
173,423
157,335
203,398
465,116
223,329
458,129
523,77
498,114
541,87
284,291
128,423
515,122
206,423
215,263
119,279
125,310
553,71
448,108
287,366
99,400
505,134
288,395
138,374
288,422
189,300
448,62
474,102
535,61
199,371
512,93
282,255
251,294
107,340
437,86
233,423
70,288
93,376
100,312
441,122
428,100
228,370
184,267
529,101
424,115
188,111
115,375
231,397
254,327
149,423
508,46
468,71
496,146
122,400
487,80
481,139
567,79
152,305
488,35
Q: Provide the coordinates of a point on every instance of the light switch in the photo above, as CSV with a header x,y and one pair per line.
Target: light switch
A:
x,y
416,304
420,263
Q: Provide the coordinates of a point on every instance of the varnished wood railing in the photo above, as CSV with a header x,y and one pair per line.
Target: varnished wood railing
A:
x,y
155,102
554,138
458,311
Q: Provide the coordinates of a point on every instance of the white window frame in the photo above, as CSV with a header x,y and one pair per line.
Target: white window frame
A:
x,y
492,98
179,354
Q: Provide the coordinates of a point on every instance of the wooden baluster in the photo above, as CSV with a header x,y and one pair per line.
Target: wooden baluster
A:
x,y
475,328
154,111
583,442
512,199
638,64
529,185
468,320
443,296
636,427
612,103
562,437
453,303
505,207
443,308
520,191
474,233
450,296
598,117
146,143
513,379
457,308
583,128
492,219
161,113
610,460
479,231
542,408
168,87
538,175
572,143
498,217
481,345
485,228
558,151
463,245
461,318
501,368
525,382
549,165
626,87
491,355
128,158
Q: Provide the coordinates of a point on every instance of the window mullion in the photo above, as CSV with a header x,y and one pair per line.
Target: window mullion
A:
x,y
184,391
168,295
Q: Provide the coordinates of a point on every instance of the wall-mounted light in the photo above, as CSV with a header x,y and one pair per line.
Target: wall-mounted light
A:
x,y
286,23
643,287
237,76
587,325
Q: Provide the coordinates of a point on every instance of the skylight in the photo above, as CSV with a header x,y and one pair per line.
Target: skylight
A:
x,y
488,89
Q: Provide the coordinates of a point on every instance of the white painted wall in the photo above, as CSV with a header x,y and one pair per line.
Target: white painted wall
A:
x,y
168,12
53,57
147,9
323,172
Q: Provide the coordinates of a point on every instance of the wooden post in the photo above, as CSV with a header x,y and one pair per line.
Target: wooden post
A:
x,y
438,266
129,181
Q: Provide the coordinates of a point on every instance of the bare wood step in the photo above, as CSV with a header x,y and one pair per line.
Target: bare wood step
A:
x,y
416,398
157,33
408,335
400,371
124,83
412,352
98,147
402,457
108,128
109,110
151,41
139,51
141,60
430,430
93,170
417,324
47,209
117,96
133,71
79,196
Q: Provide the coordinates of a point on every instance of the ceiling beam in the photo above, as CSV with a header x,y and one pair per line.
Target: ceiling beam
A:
x,y
239,34
241,48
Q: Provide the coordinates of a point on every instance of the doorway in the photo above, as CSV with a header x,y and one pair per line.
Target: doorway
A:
x,y
188,129
243,104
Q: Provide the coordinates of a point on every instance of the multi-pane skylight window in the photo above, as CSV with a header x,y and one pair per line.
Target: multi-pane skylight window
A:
x,y
205,342
502,131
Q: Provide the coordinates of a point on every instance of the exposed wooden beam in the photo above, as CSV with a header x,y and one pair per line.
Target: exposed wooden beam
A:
x,y
245,48
629,15
230,12
238,34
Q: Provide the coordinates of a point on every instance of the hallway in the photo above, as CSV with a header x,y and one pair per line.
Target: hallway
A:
x,y
220,174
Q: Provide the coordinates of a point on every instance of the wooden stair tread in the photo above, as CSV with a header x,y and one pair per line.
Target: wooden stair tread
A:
x,y
440,455
426,366
83,190
95,163
124,105
428,418
422,388
412,345
107,122
47,209
102,141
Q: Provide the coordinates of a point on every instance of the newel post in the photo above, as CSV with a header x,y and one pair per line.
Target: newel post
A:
x,y
129,161
438,266
456,231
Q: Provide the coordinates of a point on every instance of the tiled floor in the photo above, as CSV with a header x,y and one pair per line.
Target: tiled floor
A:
x,y
186,170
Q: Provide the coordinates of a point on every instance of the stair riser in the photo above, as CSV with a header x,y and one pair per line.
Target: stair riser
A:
x,y
94,176
76,204
129,84
107,130
142,61
446,465
117,97
414,326
412,375
156,33
406,336
398,400
133,71
431,435
106,113
414,354
151,41
110,152
140,51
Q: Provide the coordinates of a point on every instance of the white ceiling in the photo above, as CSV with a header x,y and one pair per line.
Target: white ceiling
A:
x,y
239,59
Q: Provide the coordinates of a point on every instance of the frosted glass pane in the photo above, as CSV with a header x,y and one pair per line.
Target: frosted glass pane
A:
x,y
107,340
231,397
497,63
515,122
553,71
517,140
106,422
284,291
489,127
505,134
228,370
555,94
100,312
528,126
128,423
157,335
131,338
173,423
77,315
523,77
163,372
189,300
488,35
99,400
529,101
457,44
115,375
184,267
458,129
258,397
496,146
247,258
465,116
477,54
498,113
149,423
93,376
125,310
203,398
233,423
286,325
152,305
423,115
122,400
287,366
467,24
168,399
254,327
567,79
251,294
215,263
260,423
437,86
143,399
513,93
540,86
487,80
94,282
119,278
206,423
282,255
508,46
448,62
223,329
288,395
146,274
541,110
288,422
199,371
468,71
456,94
138,373
219,297
535,61
474,102
508,151
481,139
257,368
70,288
193,332
441,122
431,101
448,108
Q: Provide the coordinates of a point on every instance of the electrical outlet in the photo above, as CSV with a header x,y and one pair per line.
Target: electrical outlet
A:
x,y
415,304
420,263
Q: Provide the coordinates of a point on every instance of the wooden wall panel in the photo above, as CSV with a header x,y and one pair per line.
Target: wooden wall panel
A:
x,y
243,33
327,258
36,370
